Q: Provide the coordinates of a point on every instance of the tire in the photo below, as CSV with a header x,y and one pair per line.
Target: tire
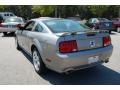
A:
x,y
118,29
17,44
13,33
38,64
5,33
109,31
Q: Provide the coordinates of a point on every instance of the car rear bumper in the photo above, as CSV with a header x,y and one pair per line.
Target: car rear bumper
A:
x,y
8,29
80,60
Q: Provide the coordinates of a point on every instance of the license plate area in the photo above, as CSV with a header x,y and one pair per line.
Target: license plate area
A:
x,y
93,59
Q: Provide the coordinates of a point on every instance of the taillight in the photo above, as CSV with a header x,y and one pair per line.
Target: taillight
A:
x,y
106,41
68,46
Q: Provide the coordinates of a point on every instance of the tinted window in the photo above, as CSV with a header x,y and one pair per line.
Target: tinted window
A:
x,y
11,14
38,28
63,25
5,14
29,26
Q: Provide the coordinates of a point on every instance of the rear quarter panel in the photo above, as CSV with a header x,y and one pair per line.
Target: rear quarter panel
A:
x,y
46,45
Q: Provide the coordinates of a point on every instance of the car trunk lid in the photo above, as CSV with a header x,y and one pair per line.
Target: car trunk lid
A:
x,y
85,40
106,25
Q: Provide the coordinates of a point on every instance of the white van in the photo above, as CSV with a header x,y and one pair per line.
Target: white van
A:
x,y
4,15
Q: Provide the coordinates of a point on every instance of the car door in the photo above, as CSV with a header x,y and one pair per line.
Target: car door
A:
x,y
26,39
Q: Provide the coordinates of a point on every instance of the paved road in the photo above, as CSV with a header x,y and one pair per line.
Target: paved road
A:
x,y
16,68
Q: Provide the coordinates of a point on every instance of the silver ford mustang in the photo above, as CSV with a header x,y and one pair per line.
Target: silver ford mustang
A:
x,y
63,45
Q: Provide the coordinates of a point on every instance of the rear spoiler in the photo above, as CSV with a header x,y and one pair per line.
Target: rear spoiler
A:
x,y
90,32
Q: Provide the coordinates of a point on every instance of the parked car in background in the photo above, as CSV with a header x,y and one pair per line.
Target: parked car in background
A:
x,y
101,23
5,15
11,24
63,45
116,24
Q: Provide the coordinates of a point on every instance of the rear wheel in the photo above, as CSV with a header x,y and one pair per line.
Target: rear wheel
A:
x,y
109,31
118,29
5,33
38,64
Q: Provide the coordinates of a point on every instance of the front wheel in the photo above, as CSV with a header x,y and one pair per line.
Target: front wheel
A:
x,y
38,64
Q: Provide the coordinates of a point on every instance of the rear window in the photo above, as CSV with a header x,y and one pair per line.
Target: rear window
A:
x,y
14,20
62,25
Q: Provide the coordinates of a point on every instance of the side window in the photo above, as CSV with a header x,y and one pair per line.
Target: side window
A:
x,y
11,15
38,28
5,15
29,25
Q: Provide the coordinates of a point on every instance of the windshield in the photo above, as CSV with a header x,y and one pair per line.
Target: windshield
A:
x,y
13,20
62,25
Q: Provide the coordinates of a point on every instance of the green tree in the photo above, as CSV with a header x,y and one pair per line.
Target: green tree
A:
x,y
43,10
98,10
2,8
